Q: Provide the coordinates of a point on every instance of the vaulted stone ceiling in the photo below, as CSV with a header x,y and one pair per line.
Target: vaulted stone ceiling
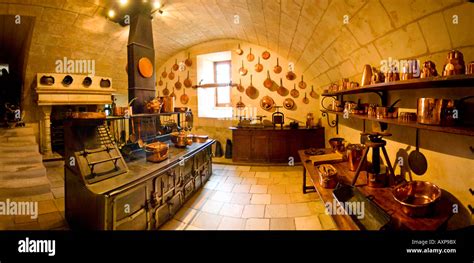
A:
x,y
309,32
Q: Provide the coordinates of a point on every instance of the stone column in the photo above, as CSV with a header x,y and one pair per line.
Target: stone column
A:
x,y
46,149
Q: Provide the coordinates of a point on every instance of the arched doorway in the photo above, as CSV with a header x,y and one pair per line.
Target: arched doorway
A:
x,y
15,39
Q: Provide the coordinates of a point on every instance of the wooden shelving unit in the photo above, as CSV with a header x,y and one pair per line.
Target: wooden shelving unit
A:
x,y
469,131
457,81
465,81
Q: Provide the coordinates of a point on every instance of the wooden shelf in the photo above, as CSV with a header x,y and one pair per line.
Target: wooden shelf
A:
x,y
469,131
426,83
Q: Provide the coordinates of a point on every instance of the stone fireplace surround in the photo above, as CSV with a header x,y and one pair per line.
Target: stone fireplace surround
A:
x,y
74,94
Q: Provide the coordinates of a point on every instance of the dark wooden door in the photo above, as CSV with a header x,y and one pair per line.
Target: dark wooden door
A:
x,y
279,147
241,146
259,147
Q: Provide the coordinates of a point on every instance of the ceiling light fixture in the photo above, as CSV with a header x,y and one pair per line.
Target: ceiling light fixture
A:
x,y
111,13
123,2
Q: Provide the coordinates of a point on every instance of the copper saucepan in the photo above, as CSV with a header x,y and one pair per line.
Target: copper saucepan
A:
x,y
164,74
188,62
277,69
184,98
258,66
187,82
250,56
178,84
294,92
251,91
268,83
417,198
302,84
239,51
171,75
243,71
175,66
282,90
266,55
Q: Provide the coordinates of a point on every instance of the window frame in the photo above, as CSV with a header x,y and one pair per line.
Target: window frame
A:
x,y
228,62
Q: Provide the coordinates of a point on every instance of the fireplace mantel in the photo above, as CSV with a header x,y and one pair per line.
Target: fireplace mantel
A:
x,y
76,93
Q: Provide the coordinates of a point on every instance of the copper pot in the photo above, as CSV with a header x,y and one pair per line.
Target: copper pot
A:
x,y
180,139
417,198
433,111
354,155
366,75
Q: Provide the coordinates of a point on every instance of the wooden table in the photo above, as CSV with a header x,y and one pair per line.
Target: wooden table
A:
x,y
382,197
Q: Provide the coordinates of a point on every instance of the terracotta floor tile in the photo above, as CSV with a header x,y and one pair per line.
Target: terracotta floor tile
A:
x,y
276,211
249,180
257,224
253,211
243,168
241,198
212,206
258,189
186,215
231,210
308,223
231,223
221,196
281,199
207,221
224,187
260,199
247,174
241,188
259,169
298,210
294,188
282,224
233,180
265,181
262,174
276,189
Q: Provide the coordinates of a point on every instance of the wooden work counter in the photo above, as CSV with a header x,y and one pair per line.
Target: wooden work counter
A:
x,y
382,197
273,145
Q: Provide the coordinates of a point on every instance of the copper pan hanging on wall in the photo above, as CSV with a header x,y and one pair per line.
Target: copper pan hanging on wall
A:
x,y
277,69
294,92
258,66
268,83
239,51
243,71
282,90
166,92
302,84
164,74
178,84
251,91
188,62
160,82
187,82
175,66
240,88
266,55
250,56
171,75
184,98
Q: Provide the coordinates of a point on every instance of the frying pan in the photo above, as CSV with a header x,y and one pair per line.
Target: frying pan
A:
x,y
289,104
282,90
166,92
313,93
178,84
240,87
302,84
145,67
160,82
187,82
164,74
268,83
239,51
305,99
266,55
417,160
250,56
172,94
277,69
184,98
188,62
86,82
294,92
258,66
267,103
291,75
171,75
251,91
175,66
243,71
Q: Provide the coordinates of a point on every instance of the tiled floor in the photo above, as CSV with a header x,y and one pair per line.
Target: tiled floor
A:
x,y
252,198
234,198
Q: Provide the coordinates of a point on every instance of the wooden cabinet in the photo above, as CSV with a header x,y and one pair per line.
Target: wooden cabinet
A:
x,y
273,145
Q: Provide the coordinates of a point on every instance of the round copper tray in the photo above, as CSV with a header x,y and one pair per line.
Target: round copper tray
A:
x,y
145,67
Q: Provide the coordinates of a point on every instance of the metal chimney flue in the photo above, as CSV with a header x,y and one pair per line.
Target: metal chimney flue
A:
x,y
140,45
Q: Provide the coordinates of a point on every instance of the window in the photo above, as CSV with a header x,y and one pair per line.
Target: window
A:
x,y
214,68
222,74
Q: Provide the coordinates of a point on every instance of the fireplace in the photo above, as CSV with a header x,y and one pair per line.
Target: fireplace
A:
x,y
60,93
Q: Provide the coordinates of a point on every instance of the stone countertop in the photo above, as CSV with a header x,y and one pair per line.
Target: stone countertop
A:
x,y
141,170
